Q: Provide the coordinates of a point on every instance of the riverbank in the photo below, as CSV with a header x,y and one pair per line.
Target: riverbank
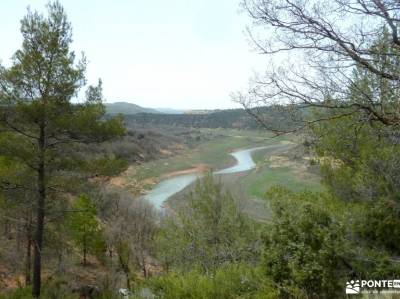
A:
x,y
209,155
173,177
168,187
293,171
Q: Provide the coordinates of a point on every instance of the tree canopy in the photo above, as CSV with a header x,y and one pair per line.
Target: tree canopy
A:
x,y
43,128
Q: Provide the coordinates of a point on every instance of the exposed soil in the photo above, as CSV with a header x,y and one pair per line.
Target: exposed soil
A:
x,y
199,168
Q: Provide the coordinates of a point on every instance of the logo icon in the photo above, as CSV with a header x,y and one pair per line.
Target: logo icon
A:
x,y
353,287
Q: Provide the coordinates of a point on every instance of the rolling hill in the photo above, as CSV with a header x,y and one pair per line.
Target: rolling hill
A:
x,y
127,108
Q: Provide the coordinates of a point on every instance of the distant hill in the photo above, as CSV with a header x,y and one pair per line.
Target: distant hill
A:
x,y
229,118
127,108
169,110
200,111
280,117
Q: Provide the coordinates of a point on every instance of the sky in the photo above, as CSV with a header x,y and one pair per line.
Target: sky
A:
x,y
182,54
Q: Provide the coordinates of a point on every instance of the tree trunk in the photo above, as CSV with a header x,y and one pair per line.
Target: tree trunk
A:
x,y
7,229
40,215
125,269
145,274
60,266
37,260
128,280
28,258
84,250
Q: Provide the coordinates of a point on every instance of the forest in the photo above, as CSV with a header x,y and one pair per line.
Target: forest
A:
x,y
286,116
73,220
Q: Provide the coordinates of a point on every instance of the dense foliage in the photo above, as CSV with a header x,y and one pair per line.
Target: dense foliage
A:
x,y
54,153
43,134
230,118
210,231
85,229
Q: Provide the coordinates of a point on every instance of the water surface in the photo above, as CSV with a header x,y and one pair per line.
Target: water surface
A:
x,y
166,188
244,161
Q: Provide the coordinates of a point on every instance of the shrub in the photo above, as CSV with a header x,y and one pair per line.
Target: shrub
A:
x,y
230,281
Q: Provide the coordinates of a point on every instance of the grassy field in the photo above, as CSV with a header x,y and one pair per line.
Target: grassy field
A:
x,y
260,181
213,153
249,187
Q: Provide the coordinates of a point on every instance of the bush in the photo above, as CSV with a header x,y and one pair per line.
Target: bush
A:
x,y
380,225
230,281
209,232
305,246
22,293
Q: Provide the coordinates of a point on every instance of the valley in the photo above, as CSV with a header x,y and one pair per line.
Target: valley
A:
x,y
167,181
200,170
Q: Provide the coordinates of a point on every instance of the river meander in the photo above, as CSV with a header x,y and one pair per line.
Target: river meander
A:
x,y
168,187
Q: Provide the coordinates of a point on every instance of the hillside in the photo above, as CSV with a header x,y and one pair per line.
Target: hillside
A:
x,y
127,108
169,110
229,118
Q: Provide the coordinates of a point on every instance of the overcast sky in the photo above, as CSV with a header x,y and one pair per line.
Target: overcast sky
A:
x,y
186,54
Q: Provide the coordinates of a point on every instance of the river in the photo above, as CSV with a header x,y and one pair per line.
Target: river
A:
x,y
168,187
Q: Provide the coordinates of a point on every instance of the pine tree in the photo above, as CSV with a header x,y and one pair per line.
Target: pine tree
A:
x,y
85,229
41,128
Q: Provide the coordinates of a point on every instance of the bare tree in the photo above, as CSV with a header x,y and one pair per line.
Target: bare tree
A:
x,y
17,219
318,45
130,232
